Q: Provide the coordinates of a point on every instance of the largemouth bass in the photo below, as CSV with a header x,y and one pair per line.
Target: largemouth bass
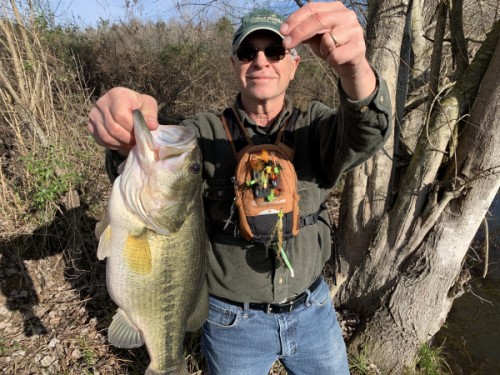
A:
x,y
153,239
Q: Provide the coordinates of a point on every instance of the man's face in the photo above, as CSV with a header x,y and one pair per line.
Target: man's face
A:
x,y
261,80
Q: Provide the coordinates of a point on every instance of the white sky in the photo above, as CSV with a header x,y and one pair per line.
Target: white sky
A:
x,y
88,12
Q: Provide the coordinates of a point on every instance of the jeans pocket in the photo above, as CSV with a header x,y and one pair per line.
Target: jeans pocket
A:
x,y
321,296
223,317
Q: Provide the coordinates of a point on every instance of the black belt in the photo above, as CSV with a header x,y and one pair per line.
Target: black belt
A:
x,y
278,308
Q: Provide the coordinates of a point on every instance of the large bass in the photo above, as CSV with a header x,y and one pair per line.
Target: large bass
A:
x,y
153,239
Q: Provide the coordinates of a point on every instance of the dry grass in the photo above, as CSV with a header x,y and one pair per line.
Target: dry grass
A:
x,y
46,152
48,185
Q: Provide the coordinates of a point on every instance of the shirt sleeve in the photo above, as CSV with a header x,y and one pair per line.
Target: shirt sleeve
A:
x,y
360,129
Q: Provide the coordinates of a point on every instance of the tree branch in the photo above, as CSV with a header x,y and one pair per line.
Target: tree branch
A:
x,y
428,155
438,47
458,41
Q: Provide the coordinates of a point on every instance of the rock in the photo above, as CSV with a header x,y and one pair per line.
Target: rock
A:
x,y
47,361
76,354
53,343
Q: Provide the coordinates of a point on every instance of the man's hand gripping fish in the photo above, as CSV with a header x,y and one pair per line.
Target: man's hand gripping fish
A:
x,y
154,241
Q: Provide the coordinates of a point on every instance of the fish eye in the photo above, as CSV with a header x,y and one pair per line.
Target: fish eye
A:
x,y
195,168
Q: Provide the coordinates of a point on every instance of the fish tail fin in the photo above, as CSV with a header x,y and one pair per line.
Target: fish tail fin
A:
x,y
122,333
103,234
200,312
182,370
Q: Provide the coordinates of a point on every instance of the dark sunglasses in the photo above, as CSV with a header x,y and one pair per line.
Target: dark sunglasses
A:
x,y
274,52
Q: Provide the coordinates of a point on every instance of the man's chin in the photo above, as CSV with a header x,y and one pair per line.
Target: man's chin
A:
x,y
262,95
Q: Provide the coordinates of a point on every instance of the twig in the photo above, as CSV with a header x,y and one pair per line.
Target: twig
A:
x,y
75,302
486,247
481,298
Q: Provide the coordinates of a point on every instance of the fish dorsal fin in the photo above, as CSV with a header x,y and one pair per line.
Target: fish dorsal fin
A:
x,y
122,333
137,254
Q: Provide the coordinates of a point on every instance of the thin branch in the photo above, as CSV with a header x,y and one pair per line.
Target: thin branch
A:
x,y
432,217
415,101
486,247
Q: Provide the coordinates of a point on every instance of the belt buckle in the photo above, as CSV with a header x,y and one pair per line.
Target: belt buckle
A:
x,y
281,307
269,308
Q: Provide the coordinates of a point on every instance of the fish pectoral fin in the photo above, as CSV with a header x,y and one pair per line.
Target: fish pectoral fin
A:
x,y
200,313
103,229
122,333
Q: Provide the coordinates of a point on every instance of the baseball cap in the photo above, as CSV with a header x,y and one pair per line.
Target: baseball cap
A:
x,y
259,19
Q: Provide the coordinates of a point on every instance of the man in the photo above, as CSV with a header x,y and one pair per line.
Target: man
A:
x,y
259,310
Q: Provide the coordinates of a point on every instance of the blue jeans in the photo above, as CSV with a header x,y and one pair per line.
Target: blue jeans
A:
x,y
308,340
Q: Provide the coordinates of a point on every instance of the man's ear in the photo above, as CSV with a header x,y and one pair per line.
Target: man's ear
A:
x,y
295,65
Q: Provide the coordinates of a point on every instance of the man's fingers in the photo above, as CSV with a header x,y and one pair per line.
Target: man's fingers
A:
x,y
313,19
111,121
309,10
106,131
149,109
335,39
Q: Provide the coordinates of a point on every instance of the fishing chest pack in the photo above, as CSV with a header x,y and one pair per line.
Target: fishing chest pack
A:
x,y
265,186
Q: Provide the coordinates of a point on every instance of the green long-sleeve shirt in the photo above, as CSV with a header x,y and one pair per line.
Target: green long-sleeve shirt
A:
x,y
327,143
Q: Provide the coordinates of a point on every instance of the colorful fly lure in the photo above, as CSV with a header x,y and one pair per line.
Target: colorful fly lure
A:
x,y
280,251
265,175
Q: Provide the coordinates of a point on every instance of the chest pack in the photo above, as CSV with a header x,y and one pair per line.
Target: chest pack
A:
x,y
265,185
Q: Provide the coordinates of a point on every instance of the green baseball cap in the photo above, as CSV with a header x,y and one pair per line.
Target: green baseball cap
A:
x,y
259,19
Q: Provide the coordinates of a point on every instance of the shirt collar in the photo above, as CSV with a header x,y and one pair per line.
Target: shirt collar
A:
x,y
248,122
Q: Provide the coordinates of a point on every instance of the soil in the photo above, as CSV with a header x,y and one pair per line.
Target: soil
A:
x,y
54,307
55,310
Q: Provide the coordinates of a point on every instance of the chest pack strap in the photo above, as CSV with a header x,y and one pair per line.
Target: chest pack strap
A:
x,y
229,226
288,126
312,218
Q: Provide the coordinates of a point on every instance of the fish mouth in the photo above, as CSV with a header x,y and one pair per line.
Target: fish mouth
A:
x,y
168,141
175,140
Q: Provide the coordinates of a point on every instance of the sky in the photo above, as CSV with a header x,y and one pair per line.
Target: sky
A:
x,y
85,13
89,12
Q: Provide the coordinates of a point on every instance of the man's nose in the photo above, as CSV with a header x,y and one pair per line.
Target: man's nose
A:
x,y
260,59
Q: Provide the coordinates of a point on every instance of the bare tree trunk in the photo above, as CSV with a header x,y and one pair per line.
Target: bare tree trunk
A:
x,y
367,189
404,257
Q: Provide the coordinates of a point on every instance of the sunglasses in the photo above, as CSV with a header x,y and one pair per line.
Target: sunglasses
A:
x,y
275,52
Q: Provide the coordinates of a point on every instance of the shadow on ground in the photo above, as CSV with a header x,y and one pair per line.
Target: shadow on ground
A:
x,y
60,255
